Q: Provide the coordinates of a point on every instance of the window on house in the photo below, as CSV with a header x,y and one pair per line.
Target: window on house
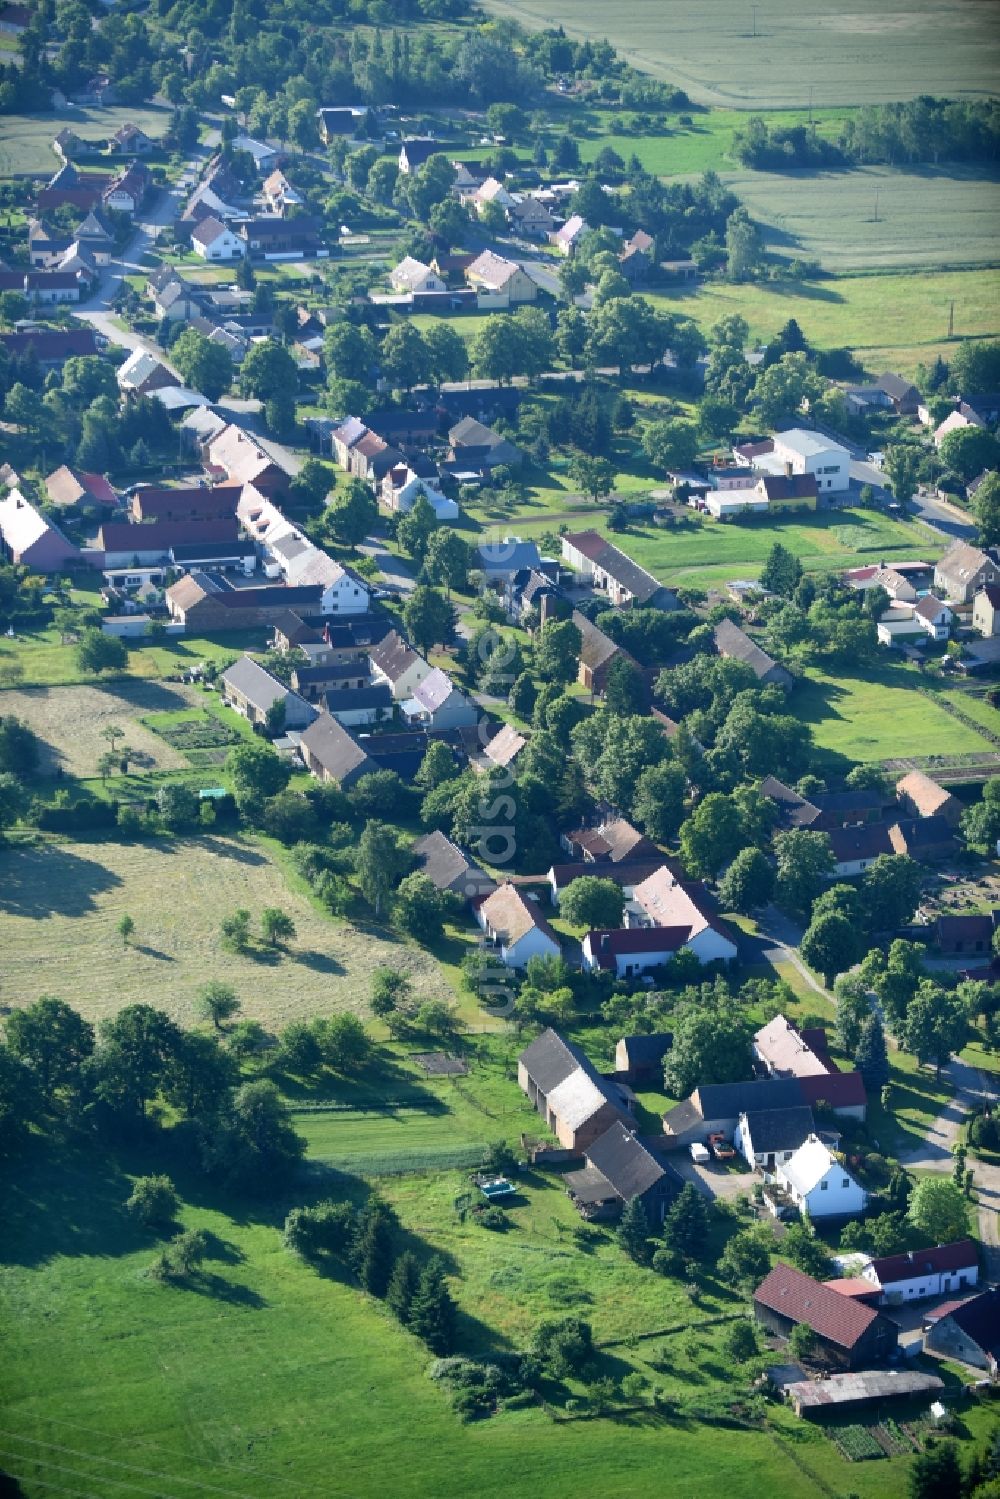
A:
x,y
823,1186
847,1181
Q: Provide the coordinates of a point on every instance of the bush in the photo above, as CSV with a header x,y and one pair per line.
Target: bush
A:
x,y
493,1217
154,1200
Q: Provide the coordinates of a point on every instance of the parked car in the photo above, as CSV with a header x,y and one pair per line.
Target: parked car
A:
x,y
720,1147
699,1154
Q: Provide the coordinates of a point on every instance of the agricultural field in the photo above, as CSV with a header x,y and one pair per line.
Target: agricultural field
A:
x,y
890,321
779,55
47,661
26,140
70,722
702,142
71,895
945,216
880,716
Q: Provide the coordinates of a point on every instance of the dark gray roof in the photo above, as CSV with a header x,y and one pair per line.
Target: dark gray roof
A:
x,y
780,1129
447,867
258,686
730,640
645,1050
343,699
549,1060
336,750
630,1168
795,809
730,1100
595,647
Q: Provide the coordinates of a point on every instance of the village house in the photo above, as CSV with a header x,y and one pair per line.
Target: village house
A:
x,y
800,451
438,704
499,283
344,120
15,20
46,246
636,258
577,1104
142,373
963,571
127,192
516,925
264,156
501,559
731,641
967,1331
620,1169
986,611
206,604
785,1051
529,216
402,487
416,150
43,288
208,544
448,868
627,875
767,1138
849,1334
815,1181
971,933
923,797
717,1107
68,486
185,503
475,448
358,707
395,661
663,900
918,1273
214,241
279,194
29,540
330,753
632,952
412,275
272,236
568,237
129,140
606,567
787,491
235,454
612,841
262,699
503,748
597,653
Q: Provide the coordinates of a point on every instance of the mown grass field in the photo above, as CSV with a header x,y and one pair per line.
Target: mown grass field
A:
x,y
703,145
70,722
49,661
880,715
62,901
949,215
26,140
842,53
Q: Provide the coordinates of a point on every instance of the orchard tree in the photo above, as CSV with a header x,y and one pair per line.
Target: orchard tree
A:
x,y
709,1046
937,1024
831,944
592,903
52,1041
939,1210
98,652
748,883
379,862
154,1200
217,1002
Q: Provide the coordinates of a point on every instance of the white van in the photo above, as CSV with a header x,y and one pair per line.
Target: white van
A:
x,y
699,1154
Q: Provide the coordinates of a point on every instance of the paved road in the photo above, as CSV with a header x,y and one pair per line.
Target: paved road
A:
x,y
779,941
395,573
972,1087
944,518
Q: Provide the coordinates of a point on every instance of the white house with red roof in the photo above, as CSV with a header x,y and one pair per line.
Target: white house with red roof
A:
x,y
919,1273
663,901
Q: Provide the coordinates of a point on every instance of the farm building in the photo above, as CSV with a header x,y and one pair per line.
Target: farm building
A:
x,y
577,1104
620,1169
613,841
923,797
849,1334
919,1273
839,1392
29,540
639,1059
332,754
968,1331
253,692
815,1181
731,641
626,584
447,868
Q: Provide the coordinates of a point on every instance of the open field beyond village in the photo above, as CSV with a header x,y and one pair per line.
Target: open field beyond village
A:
x,y
839,53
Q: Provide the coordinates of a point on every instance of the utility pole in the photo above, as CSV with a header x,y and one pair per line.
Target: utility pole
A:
x,y
754,9
810,103
876,205
951,321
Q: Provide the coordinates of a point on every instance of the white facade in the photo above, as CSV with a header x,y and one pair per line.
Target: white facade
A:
x,y
735,502
819,1185
918,1286
811,453
756,1159
224,246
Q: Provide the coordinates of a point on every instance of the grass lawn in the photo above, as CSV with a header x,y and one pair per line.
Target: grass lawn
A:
x,y
917,1100
890,321
707,552
703,145
48,662
263,1378
879,716
839,54
66,898
26,140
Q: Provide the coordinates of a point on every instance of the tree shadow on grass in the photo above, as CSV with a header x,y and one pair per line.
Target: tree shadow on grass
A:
x,y
51,881
319,962
231,848
153,952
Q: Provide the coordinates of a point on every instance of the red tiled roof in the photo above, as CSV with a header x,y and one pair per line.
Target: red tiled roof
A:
x,y
854,1286
838,1319
606,946
959,1255
52,343
119,536
841,1090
